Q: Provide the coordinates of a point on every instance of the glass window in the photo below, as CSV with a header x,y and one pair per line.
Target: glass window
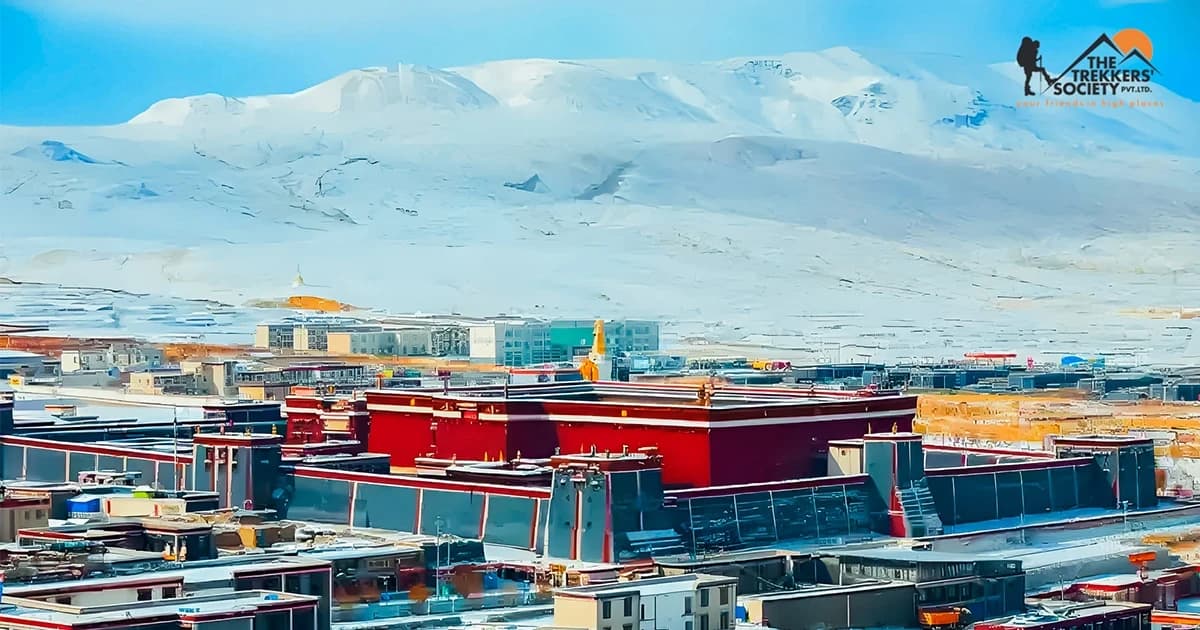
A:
x,y
305,619
687,605
703,602
629,607
275,620
724,620
704,622
145,594
724,598
687,625
606,609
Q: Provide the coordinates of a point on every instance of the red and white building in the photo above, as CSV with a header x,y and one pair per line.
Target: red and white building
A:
x,y
740,435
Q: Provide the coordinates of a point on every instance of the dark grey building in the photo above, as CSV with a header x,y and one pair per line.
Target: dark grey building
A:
x,y
868,604
988,588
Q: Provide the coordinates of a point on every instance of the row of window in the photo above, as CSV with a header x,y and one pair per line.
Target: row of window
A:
x,y
687,624
724,594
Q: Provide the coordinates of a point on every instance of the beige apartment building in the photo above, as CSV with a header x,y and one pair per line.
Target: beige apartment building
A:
x,y
208,377
403,342
17,513
681,602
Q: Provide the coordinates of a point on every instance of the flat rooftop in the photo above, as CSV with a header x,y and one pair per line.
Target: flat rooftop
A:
x,y
643,394
821,590
902,554
193,572
669,583
126,614
1055,612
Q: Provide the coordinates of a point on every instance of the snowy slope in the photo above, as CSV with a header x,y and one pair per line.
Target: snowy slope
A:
x,y
741,199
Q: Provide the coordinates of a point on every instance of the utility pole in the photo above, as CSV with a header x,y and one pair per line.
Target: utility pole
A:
x,y
437,552
175,444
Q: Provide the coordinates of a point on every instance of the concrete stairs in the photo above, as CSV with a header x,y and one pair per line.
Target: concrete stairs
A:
x,y
920,513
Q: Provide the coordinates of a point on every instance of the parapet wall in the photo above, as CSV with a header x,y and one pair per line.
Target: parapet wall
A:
x,y
502,515
970,494
34,459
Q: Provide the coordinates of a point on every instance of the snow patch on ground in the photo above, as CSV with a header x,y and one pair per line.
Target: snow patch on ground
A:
x,y
54,151
898,203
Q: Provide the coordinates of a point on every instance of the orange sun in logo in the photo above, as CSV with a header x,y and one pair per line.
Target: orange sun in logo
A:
x,y
1131,38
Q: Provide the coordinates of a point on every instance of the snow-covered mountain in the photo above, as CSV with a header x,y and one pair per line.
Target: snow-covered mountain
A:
x,y
740,198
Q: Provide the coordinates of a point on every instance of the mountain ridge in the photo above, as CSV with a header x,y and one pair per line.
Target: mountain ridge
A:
x,y
746,196
791,94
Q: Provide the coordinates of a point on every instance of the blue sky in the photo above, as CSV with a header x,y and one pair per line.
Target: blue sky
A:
x,y
75,62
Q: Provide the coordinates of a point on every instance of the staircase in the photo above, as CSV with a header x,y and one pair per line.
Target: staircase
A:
x,y
920,513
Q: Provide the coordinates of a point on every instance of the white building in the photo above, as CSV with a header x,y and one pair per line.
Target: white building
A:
x,y
83,361
120,355
633,335
512,343
682,602
413,342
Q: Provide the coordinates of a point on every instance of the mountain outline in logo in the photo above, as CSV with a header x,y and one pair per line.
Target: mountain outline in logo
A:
x,y
1103,69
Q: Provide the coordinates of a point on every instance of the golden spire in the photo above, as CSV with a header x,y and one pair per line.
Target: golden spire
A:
x,y
598,346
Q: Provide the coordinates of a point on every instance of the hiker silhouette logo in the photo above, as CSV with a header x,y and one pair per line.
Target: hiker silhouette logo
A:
x,y
1110,66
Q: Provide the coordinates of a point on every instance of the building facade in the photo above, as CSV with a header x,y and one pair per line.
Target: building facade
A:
x,y
305,333
122,354
83,361
683,602
450,341
274,336
786,431
314,336
326,374
515,343
162,382
404,342
573,337
212,377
